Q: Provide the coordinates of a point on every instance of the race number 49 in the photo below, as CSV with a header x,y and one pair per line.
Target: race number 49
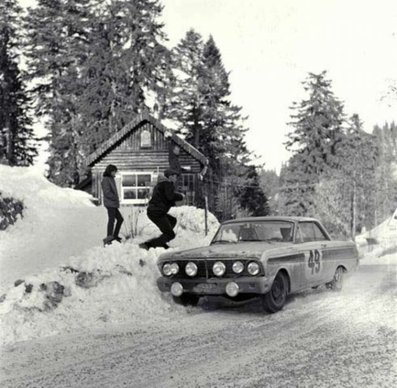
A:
x,y
314,262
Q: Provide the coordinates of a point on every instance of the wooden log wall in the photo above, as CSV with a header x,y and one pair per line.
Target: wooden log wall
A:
x,y
129,156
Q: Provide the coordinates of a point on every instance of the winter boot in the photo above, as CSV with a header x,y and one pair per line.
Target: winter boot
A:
x,y
108,240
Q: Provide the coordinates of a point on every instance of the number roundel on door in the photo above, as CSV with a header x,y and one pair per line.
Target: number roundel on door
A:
x,y
314,262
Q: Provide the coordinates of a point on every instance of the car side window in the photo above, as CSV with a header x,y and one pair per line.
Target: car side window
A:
x,y
307,231
318,233
311,232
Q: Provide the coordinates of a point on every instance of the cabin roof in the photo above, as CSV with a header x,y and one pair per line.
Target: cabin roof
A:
x,y
119,136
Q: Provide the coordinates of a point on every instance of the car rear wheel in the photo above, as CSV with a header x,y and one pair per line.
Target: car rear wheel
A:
x,y
186,299
275,299
337,282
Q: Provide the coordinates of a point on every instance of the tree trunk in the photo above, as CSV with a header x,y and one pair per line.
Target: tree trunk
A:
x,y
353,212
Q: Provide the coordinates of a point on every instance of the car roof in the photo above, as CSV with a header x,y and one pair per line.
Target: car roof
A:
x,y
270,218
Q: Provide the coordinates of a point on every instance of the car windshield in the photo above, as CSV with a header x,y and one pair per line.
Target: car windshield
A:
x,y
278,231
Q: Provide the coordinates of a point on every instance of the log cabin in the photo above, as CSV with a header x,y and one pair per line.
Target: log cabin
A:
x,y
142,150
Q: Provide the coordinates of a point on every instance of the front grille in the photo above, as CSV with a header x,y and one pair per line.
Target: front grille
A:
x,y
204,268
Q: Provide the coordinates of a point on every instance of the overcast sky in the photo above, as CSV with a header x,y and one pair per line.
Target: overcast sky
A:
x,y
269,46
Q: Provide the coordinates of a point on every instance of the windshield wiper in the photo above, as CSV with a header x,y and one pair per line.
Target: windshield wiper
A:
x,y
224,242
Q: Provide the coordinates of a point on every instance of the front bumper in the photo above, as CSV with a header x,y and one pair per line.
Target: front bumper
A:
x,y
214,286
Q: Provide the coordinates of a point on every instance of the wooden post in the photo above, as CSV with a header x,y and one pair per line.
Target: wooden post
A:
x,y
206,214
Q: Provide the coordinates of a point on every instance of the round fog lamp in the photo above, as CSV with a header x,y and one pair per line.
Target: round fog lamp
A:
x,y
167,269
238,267
176,289
218,268
253,268
191,269
232,289
174,268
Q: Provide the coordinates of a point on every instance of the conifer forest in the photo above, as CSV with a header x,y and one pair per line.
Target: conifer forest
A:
x,y
84,68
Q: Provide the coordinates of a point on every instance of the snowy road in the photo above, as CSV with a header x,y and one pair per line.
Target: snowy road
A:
x,y
320,339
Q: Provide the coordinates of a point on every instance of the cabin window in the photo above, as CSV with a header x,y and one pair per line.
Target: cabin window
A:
x,y
146,139
186,183
135,187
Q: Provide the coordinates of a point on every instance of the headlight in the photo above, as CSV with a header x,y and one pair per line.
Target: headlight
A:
x,y
167,269
191,269
238,267
174,268
218,268
253,268
170,269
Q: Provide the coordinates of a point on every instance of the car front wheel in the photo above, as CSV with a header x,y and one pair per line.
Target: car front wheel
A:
x,y
186,299
275,299
336,283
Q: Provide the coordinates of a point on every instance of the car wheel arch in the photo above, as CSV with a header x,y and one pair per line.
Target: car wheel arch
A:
x,y
285,272
341,266
337,282
275,299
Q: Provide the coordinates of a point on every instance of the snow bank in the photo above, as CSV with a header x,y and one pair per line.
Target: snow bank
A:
x,y
57,223
379,242
29,185
66,281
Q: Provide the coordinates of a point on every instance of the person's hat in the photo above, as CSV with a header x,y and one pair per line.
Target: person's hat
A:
x,y
170,171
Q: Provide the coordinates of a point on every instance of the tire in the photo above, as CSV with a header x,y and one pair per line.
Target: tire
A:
x,y
275,299
336,283
186,299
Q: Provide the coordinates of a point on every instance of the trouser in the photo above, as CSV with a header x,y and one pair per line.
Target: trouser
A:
x,y
166,224
114,214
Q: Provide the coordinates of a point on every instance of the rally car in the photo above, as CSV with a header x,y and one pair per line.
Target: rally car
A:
x,y
268,257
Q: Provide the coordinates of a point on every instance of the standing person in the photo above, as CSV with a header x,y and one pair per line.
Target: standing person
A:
x,y
112,204
163,198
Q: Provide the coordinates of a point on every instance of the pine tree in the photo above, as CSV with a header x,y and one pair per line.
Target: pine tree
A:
x,y
201,104
186,102
296,189
386,170
17,140
127,63
222,135
346,193
317,131
252,197
57,40
359,153
317,125
94,64
270,184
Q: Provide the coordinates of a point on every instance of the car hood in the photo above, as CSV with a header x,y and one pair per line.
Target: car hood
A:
x,y
230,250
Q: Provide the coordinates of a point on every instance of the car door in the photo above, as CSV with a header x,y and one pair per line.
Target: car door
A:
x,y
325,247
312,244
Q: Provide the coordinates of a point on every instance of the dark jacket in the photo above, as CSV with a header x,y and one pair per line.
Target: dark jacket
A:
x,y
110,195
164,196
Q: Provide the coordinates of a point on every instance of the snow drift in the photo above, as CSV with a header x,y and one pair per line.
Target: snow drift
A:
x,y
56,278
379,242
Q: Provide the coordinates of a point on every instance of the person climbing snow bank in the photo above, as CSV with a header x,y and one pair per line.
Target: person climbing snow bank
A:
x,y
163,198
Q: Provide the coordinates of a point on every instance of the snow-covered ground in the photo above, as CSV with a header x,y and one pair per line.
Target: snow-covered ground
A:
x,y
59,240
86,315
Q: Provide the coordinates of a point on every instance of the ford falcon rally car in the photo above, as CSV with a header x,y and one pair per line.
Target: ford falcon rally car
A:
x,y
268,257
